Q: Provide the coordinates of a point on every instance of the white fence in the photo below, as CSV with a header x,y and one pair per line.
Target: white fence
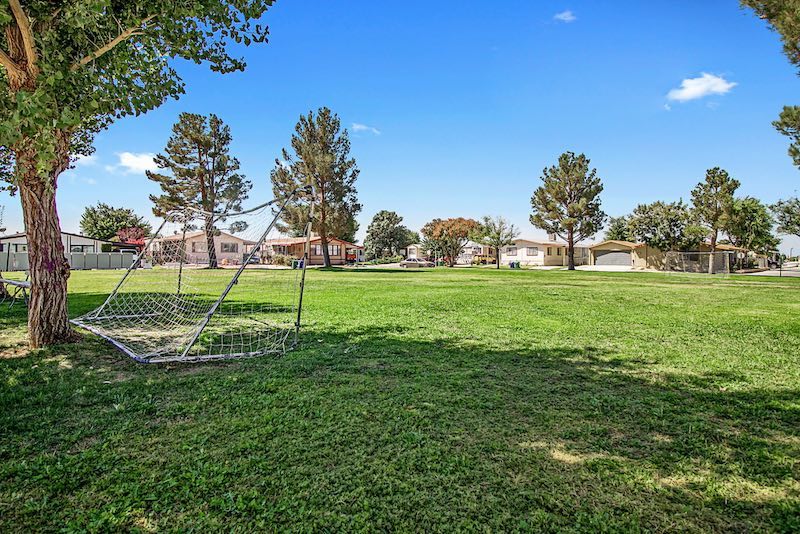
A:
x,y
18,261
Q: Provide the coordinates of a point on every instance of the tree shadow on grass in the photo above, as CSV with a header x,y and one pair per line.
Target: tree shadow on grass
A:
x,y
377,428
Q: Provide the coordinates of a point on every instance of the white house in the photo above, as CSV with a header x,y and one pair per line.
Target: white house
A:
x,y
229,248
73,243
529,252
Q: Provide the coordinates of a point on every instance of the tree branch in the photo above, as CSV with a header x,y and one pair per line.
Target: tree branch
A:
x,y
27,35
10,65
112,43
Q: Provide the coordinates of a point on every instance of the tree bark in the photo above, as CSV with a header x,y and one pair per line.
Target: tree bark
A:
x,y
497,257
713,249
48,321
212,250
570,251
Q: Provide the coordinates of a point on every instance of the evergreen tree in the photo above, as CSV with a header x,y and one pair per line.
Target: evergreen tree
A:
x,y
619,229
69,69
386,236
665,226
568,202
787,214
202,174
750,226
497,233
322,160
713,201
104,222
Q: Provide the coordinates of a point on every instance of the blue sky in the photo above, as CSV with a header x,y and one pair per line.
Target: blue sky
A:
x,y
462,103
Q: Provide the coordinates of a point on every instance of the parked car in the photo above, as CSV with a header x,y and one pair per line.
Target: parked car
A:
x,y
416,262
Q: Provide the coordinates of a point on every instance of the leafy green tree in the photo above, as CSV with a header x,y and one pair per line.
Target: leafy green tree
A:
x,y
322,160
619,229
787,215
71,68
783,16
447,237
103,221
568,202
386,236
750,226
202,174
712,200
665,226
497,233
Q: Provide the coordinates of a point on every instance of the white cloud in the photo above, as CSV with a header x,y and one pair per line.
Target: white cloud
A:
x,y
360,128
86,160
565,16
133,163
91,181
704,85
667,107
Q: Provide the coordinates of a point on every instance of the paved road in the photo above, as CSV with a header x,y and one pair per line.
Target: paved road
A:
x,y
790,273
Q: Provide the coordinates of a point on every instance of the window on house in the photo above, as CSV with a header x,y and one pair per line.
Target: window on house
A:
x,y
232,248
558,251
511,251
334,250
199,246
549,251
77,249
532,251
21,247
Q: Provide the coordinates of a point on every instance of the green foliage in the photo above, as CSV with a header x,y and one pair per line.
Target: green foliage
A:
x,y
74,67
789,125
497,233
712,201
282,260
665,226
787,215
446,238
386,236
202,175
619,229
750,226
103,221
321,158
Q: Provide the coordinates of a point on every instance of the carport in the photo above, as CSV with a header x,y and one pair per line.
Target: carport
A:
x,y
613,253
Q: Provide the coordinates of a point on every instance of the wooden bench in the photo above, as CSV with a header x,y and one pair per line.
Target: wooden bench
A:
x,y
19,288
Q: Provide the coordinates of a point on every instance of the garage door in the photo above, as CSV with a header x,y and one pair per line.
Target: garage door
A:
x,y
613,257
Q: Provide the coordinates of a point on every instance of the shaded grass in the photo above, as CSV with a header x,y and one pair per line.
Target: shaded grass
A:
x,y
444,399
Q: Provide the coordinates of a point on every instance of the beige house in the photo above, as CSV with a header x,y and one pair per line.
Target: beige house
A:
x,y
230,250
340,252
640,255
542,253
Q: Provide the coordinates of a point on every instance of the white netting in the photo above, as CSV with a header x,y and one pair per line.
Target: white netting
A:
x,y
699,262
172,305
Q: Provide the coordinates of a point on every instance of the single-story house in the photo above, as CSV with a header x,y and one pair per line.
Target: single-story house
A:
x,y
530,252
340,251
229,249
415,250
472,249
641,256
73,243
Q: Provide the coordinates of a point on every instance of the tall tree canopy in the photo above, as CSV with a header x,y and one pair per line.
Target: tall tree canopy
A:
x,y
202,174
787,215
783,16
448,237
67,70
712,200
497,233
750,226
322,160
568,201
386,235
619,229
665,226
104,222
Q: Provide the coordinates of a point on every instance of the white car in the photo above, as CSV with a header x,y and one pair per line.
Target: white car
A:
x,y
416,262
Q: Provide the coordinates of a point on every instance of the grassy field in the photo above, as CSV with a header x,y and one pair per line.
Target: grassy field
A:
x,y
436,400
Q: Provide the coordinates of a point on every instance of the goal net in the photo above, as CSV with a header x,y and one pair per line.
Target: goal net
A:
x,y
699,262
207,286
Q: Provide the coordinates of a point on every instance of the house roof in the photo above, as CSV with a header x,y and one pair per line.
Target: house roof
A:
x,y
617,242
23,234
550,243
301,240
192,235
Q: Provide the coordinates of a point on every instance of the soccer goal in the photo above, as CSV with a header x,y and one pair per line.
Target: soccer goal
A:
x,y
207,286
699,262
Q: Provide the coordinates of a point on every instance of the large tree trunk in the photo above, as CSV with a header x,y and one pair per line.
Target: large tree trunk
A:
x,y
48,322
570,251
326,254
713,249
497,257
212,250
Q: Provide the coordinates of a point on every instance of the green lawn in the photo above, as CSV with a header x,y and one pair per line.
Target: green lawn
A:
x,y
433,400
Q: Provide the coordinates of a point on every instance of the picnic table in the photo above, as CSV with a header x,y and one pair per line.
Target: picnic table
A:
x,y
15,289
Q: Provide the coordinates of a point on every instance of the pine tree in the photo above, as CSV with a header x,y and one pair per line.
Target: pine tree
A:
x,y
568,202
203,174
619,229
322,160
712,200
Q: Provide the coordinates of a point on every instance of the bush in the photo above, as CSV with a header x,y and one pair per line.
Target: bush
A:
x,y
382,261
282,260
105,247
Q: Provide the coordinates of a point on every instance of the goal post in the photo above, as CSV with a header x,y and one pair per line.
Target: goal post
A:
x,y
182,300
719,262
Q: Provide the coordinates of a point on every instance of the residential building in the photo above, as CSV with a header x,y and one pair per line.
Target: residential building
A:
x,y
229,249
533,253
341,252
73,243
